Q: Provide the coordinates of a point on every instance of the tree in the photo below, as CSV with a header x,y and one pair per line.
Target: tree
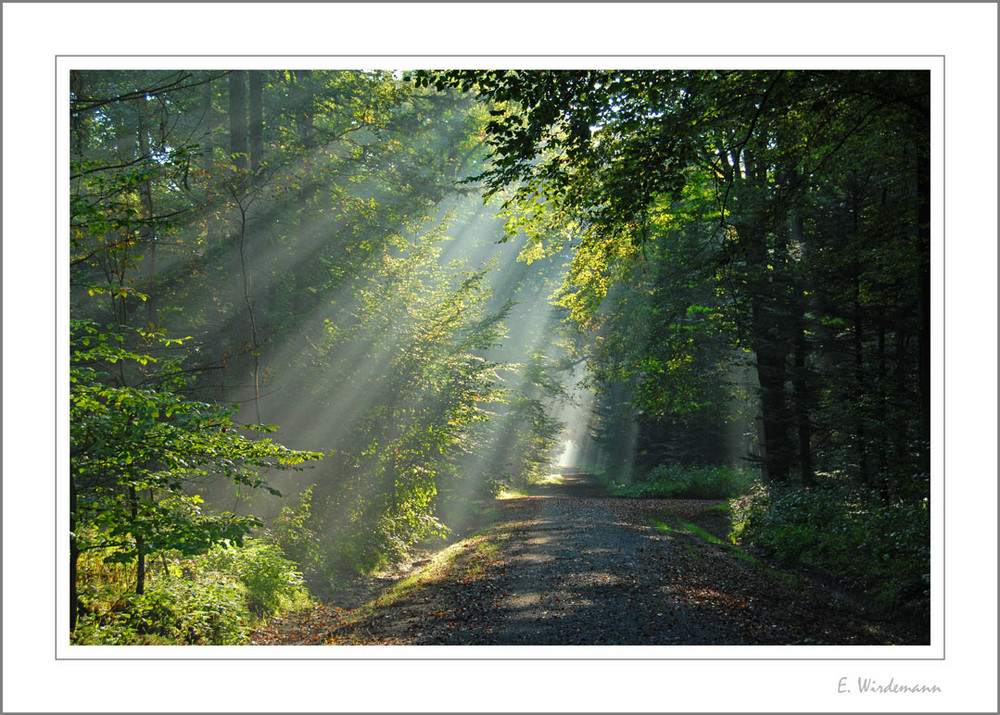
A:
x,y
600,150
138,456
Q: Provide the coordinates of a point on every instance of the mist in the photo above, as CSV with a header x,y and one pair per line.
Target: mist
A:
x,y
317,253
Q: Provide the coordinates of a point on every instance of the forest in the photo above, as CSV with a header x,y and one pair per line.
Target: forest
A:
x,y
325,321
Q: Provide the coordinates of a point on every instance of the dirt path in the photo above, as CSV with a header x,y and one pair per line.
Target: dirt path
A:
x,y
571,566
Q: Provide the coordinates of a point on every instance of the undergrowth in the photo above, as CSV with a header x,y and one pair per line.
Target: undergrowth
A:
x,y
876,548
677,481
215,598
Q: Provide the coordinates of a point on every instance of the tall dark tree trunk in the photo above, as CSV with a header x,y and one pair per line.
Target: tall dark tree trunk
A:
x,y
880,406
147,233
860,427
802,394
207,143
767,336
901,397
256,124
304,114
771,375
246,362
140,546
771,350
861,387
803,399
238,119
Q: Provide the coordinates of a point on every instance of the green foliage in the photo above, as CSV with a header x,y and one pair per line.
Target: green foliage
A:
x,y
138,458
272,583
784,213
882,549
678,481
586,135
215,598
713,217
206,609
294,531
408,412
754,500
526,432
325,233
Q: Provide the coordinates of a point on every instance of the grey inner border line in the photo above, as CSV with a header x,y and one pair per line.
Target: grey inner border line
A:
x,y
265,657
493,56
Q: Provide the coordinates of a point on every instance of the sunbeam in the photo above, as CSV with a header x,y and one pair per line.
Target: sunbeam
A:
x,y
322,320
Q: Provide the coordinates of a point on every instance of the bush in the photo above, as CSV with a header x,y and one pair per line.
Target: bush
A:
x,y
213,599
272,582
293,532
678,481
208,608
848,533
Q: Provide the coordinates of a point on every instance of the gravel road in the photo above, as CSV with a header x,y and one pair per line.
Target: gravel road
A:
x,y
571,566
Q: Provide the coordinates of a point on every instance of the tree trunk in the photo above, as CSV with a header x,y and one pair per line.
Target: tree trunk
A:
x,y
901,399
140,558
208,138
802,406
802,394
246,362
860,428
256,125
304,98
78,127
238,119
146,230
771,370
880,396
771,349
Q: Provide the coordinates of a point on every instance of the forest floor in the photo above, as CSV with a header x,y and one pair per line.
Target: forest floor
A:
x,y
570,565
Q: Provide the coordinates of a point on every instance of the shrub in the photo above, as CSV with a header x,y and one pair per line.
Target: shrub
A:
x,y
293,532
752,503
880,548
210,599
687,482
206,610
203,608
271,581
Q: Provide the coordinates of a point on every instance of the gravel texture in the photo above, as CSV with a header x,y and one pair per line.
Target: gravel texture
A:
x,y
571,566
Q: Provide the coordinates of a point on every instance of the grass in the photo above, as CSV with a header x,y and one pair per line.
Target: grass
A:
x,y
685,527
529,489
512,493
463,560
679,526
